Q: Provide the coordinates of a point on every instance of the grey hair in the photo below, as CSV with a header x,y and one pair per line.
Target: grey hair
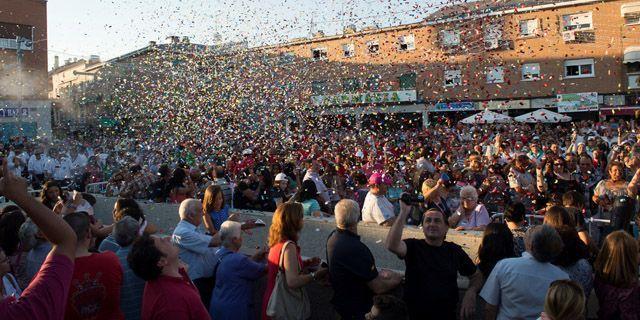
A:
x,y
229,230
469,191
347,213
543,242
125,231
188,208
27,234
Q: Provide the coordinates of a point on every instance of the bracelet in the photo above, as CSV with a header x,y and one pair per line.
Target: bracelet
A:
x,y
313,276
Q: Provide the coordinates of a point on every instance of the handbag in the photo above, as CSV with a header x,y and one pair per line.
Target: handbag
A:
x,y
287,303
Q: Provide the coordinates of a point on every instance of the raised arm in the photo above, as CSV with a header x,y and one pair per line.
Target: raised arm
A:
x,y
51,225
394,241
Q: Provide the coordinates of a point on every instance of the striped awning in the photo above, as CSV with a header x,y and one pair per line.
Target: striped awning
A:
x,y
631,55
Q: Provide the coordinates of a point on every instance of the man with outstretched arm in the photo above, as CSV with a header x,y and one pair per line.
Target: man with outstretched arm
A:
x,y
432,267
46,295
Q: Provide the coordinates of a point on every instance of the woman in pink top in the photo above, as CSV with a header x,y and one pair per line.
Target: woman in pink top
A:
x,y
286,225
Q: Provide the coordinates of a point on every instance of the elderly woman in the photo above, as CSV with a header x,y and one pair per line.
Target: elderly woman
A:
x,y
470,215
235,275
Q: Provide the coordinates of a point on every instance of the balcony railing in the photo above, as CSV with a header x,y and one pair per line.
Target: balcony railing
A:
x,y
12,44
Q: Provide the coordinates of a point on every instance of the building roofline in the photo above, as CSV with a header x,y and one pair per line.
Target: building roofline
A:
x,y
511,11
67,66
341,36
427,22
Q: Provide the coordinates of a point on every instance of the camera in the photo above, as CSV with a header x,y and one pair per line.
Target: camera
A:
x,y
412,199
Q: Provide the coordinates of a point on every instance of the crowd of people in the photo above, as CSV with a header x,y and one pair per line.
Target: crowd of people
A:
x,y
579,182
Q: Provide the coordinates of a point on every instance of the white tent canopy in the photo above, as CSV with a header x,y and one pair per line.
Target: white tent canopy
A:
x,y
543,116
486,116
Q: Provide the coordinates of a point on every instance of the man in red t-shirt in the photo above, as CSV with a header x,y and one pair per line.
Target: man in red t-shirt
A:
x,y
97,277
169,293
45,296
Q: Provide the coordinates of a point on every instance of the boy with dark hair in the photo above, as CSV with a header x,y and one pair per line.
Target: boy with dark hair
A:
x,y
169,293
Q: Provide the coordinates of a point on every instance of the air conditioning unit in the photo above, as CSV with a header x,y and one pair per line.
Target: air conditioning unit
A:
x,y
490,44
568,36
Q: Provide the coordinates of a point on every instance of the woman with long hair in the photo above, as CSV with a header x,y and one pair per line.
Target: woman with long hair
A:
x,y
286,225
573,258
616,277
214,209
565,300
49,194
497,244
180,186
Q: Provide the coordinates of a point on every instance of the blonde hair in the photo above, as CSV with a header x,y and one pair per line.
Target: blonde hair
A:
x,y
286,223
617,262
565,300
428,185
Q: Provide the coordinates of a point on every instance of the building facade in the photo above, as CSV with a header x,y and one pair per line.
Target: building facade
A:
x,y
24,108
579,57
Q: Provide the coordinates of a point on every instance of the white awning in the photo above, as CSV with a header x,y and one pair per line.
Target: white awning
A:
x,y
630,9
631,55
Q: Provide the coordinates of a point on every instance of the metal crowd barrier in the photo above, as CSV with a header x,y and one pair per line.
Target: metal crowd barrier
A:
x,y
98,187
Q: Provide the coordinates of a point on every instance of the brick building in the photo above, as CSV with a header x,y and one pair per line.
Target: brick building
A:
x,y
24,108
517,55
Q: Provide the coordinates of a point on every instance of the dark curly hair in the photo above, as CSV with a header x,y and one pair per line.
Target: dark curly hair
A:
x,y
143,258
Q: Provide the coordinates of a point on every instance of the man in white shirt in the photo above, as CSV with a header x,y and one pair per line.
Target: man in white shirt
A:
x,y
58,168
36,167
376,207
78,162
313,169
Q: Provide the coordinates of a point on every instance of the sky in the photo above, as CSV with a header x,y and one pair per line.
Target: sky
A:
x,y
109,28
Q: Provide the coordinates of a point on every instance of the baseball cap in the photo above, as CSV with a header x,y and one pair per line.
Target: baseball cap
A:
x,y
379,178
247,152
281,177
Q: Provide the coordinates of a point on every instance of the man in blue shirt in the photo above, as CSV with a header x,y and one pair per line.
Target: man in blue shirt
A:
x,y
196,248
235,275
516,288
125,232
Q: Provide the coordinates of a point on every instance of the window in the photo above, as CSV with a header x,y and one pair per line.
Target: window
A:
x,y
318,87
406,43
631,13
373,47
348,50
450,38
577,21
373,83
350,84
319,54
452,78
583,68
492,36
529,28
495,75
287,57
530,71
407,81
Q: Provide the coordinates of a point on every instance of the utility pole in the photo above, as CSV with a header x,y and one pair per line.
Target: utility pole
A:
x,y
20,56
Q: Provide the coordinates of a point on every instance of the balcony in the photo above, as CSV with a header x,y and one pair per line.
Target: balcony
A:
x,y
579,36
11,44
